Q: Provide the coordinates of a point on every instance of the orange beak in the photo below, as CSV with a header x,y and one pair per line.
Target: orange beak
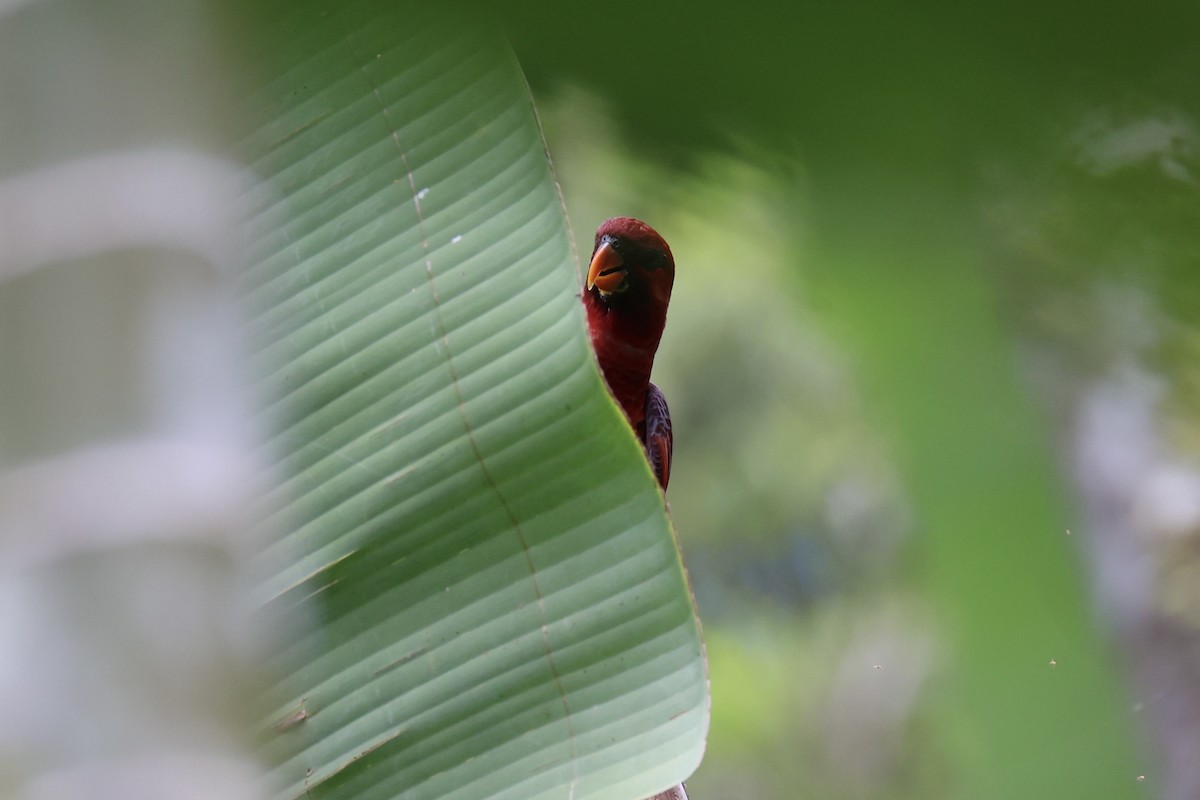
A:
x,y
607,270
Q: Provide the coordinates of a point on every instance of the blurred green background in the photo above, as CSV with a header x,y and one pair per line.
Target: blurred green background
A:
x,y
931,360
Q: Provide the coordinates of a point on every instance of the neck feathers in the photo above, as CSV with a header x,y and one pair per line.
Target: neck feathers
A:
x,y
625,337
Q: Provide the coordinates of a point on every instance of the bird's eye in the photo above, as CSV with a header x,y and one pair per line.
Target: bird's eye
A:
x,y
656,260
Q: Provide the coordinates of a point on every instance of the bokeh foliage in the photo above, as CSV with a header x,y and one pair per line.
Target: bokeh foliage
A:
x,y
932,360
894,225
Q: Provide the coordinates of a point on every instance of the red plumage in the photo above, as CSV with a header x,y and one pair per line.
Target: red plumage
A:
x,y
626,294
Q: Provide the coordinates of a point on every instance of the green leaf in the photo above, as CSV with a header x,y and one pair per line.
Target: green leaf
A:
x,y
499,606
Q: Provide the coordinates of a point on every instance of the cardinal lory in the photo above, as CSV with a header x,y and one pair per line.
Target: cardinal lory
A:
x,y
626,294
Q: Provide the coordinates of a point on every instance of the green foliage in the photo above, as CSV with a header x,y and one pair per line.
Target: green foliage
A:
x,y
900,229
500,609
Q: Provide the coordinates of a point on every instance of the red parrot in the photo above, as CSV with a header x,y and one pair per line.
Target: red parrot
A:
x,y
626,294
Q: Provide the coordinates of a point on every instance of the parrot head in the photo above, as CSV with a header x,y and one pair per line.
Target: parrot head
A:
x,y
631,264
